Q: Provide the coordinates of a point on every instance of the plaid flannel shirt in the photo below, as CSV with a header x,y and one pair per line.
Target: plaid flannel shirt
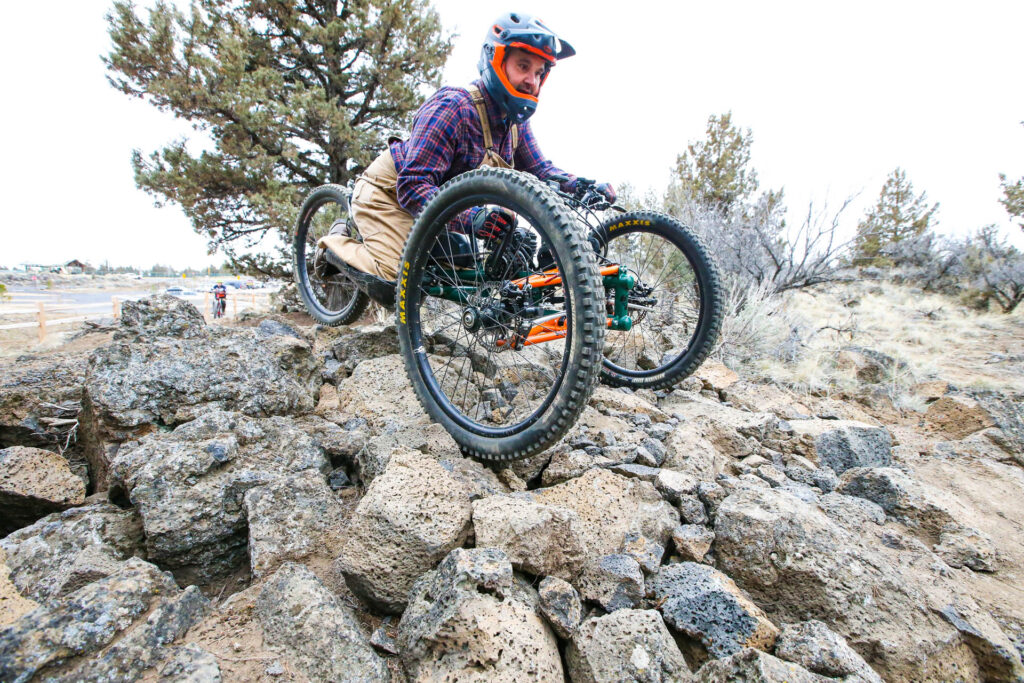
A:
x,y
446,140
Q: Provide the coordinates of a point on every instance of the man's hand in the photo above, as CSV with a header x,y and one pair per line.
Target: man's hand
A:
x,y
492,224
607,191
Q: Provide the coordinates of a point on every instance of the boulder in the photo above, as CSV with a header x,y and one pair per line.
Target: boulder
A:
x,y
621,404
800,565
613,581
316,629
189,485
34,483
966,547
692,541
819,649
627,645
36,394
291,519
410,518
646,552
166,367
431,439
754,666
843,444
610,507
379,391
364,342
921,507
66,550
471,619
673,485
570,463
715,376
543,540
81,623
146,645
12,603
561,605
873,367
706,605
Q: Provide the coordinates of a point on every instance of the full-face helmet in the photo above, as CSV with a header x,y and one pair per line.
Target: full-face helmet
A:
x,y
515,30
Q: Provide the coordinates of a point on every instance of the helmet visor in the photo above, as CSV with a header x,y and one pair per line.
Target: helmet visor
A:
x,y
544,45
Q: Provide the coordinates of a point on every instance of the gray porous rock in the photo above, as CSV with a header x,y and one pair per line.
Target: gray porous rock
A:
x,y
67,550
692,541
543,540
849,511
161,315
189,485
706,605
799,565
570,463
673,484
327,642
34,483
189,664
869,365
411,516
291,519
754,666
478,479
692,510
80,623
613,581
921,507
610,507
1007,414
471,619
165,370
561,605
428,438
966,547
819,649
145,646
365,342
844,444
627,645
635,471
35,389
379,391
646,552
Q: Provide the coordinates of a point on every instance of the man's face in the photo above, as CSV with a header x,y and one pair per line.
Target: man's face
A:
x,y
524,71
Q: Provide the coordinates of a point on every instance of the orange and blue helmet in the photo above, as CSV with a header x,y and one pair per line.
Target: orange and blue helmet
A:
x,y
515,30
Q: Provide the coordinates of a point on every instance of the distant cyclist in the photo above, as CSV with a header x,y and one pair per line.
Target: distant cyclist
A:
x,y
220,299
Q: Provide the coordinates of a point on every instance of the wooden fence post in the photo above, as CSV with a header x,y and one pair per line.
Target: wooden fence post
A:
x,y
42,322
234,306
116,305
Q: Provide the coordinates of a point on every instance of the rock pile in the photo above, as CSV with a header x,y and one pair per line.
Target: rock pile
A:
x,y
270,503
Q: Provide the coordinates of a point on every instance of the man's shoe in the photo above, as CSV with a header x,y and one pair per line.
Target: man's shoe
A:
x,y
378,289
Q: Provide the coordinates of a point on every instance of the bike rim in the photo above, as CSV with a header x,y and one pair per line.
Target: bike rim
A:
x,y
663,332
331,295
483,387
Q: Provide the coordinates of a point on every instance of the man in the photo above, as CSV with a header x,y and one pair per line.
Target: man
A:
x,y
455,131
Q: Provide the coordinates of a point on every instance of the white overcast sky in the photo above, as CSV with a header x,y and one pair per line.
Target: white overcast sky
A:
x,y
836,94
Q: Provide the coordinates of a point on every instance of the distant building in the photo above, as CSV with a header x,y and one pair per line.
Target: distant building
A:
x,y
74,267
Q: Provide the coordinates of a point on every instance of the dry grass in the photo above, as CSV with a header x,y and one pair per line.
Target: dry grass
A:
x,y
934,336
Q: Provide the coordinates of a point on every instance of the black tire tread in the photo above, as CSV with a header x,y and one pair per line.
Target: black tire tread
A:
x,y
590,299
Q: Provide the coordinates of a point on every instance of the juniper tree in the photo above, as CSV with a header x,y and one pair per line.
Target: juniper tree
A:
x,y
286,95
897,215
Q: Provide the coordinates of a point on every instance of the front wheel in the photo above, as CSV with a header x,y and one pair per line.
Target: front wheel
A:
x,y
330,298
500,353
675,306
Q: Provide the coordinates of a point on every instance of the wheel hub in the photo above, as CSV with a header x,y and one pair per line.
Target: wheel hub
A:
x,y
471,319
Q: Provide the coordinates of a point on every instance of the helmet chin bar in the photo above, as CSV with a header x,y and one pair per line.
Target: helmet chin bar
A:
x,y
498,61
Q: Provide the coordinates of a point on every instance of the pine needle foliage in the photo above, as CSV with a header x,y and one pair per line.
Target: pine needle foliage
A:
x,y
285,95
898,215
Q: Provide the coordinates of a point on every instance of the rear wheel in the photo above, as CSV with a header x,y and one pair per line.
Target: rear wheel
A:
x,y
467,325
330,298
675,306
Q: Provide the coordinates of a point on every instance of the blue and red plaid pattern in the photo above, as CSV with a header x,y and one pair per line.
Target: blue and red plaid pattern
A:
x,y
446,140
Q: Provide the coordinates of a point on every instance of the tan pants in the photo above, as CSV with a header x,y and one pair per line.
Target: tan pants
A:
x,y
382,222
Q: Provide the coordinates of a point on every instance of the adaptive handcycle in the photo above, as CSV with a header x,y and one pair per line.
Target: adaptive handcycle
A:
x,y
504,342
